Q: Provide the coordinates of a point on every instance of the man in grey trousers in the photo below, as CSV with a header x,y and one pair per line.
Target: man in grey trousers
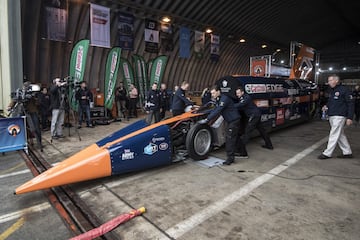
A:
x,y
340,108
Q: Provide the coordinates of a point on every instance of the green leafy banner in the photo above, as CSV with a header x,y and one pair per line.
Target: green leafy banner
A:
x,y
111,71
77,69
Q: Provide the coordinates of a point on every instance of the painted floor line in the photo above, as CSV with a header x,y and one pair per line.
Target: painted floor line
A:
x,y
18,214
12,229
19,172
15,173
188,224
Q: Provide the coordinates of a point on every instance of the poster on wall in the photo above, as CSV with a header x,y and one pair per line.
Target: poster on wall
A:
x,y
151,36
199,44
166,37
260,65
100,26
184,42
56,18
126,31
214,47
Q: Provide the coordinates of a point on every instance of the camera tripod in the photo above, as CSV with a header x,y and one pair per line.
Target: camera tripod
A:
x,y
64,101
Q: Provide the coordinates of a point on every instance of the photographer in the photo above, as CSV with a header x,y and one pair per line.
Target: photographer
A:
x,y
57,100
84,96
25,103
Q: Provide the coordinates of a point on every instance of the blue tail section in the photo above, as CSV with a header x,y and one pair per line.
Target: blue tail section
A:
x,y
146,150
123,132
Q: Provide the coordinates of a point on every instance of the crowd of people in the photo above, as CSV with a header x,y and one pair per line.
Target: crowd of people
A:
x,y
341,106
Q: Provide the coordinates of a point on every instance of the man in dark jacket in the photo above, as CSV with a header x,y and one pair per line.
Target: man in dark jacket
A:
x,y
152,104
225,107
356,95
57,103
84,96
180,101
340,109
44,101
253,113
164,100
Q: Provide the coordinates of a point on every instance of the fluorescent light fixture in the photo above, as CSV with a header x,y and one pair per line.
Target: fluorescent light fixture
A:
x,y
166,19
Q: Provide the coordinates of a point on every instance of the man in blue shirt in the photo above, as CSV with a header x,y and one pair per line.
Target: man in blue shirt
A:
x,y
340,108
225,107
253,113
180,101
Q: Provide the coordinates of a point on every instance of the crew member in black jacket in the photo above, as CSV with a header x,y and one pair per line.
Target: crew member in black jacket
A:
x,y
340,109
84,96
253,113
152,104
180,101
225,107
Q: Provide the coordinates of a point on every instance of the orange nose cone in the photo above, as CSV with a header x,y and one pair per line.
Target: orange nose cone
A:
x,y
91,163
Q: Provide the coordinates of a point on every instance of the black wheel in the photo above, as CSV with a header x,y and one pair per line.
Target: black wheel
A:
x,y
198,141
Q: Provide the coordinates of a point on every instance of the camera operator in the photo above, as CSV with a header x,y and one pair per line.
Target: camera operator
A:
x,y
57,101
25,103
84,96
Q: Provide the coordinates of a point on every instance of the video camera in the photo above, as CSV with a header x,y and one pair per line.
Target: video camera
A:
x,y
70,82
25,93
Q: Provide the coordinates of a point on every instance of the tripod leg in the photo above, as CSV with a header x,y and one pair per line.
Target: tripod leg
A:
x,y
76,129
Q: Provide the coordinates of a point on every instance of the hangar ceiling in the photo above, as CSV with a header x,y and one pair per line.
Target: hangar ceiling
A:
x,y
331,27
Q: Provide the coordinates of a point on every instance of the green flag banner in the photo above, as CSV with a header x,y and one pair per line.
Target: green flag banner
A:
x,y
77,69
111,71
127,73
157,69
141,76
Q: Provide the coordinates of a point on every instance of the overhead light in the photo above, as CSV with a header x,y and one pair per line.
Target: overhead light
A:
x,y
294,54
209,30
264,46
344,68
242,40
317,73
166,19
282,61
316,64
330,68
278,50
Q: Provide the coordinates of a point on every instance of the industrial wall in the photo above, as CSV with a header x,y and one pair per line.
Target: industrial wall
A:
x,y
44,59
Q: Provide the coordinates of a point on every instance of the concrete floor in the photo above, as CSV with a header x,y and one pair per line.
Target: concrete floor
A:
x,y
188,201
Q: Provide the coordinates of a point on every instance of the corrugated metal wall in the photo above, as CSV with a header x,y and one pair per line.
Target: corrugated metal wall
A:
x,y
45,60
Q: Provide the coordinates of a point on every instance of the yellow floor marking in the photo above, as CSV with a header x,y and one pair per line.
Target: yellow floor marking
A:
x,y
12,229
13,168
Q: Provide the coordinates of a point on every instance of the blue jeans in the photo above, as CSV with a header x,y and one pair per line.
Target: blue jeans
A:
x,y
86,109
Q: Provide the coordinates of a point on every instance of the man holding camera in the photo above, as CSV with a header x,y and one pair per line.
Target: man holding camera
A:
x,y
57,101
84,96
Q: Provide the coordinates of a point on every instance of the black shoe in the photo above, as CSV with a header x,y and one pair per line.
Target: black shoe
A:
x,y
241,155
345,156
268,147
323,157
228,162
